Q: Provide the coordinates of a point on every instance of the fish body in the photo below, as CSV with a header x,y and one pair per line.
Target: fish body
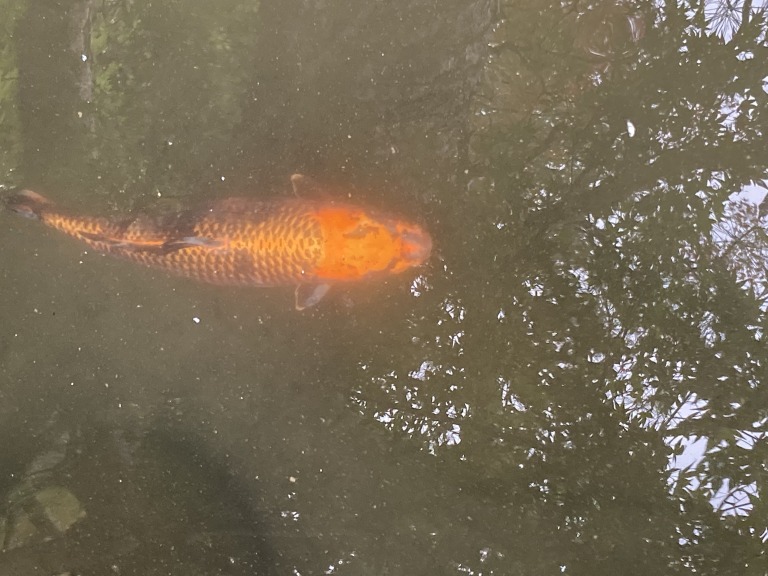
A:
x,y
247,242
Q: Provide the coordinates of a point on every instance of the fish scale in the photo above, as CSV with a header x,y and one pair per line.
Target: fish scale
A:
x,y
248,253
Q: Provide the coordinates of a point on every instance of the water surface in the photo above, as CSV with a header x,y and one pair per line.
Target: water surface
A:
x,y
575,383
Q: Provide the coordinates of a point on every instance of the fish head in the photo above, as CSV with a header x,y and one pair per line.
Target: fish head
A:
x,y
359,243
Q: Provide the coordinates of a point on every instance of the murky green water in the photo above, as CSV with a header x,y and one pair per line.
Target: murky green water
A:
x,y
515,406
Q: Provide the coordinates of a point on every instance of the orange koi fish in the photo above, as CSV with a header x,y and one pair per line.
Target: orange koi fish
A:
x,y
247,242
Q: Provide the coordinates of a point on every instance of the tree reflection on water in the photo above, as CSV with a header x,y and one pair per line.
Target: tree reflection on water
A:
x,y
576,382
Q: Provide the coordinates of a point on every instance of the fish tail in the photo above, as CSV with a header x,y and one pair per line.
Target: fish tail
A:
x,y
27,203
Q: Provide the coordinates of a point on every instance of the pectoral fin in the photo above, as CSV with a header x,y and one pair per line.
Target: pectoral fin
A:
x,y
308,189
307,295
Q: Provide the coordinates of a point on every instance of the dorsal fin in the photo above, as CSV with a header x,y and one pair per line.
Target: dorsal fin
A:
x,y
163,248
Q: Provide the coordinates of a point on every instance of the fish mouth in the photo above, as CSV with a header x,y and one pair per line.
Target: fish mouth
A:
x,y
417,246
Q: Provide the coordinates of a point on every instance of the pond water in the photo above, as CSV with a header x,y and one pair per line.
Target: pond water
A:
x,y
574,383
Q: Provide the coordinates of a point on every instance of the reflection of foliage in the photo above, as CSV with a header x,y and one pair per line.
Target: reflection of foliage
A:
x,y
724,17
602,330
168,87
741,242
428,399
10,140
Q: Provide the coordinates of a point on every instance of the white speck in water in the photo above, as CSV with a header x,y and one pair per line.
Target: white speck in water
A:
x,y
630,129
196,320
